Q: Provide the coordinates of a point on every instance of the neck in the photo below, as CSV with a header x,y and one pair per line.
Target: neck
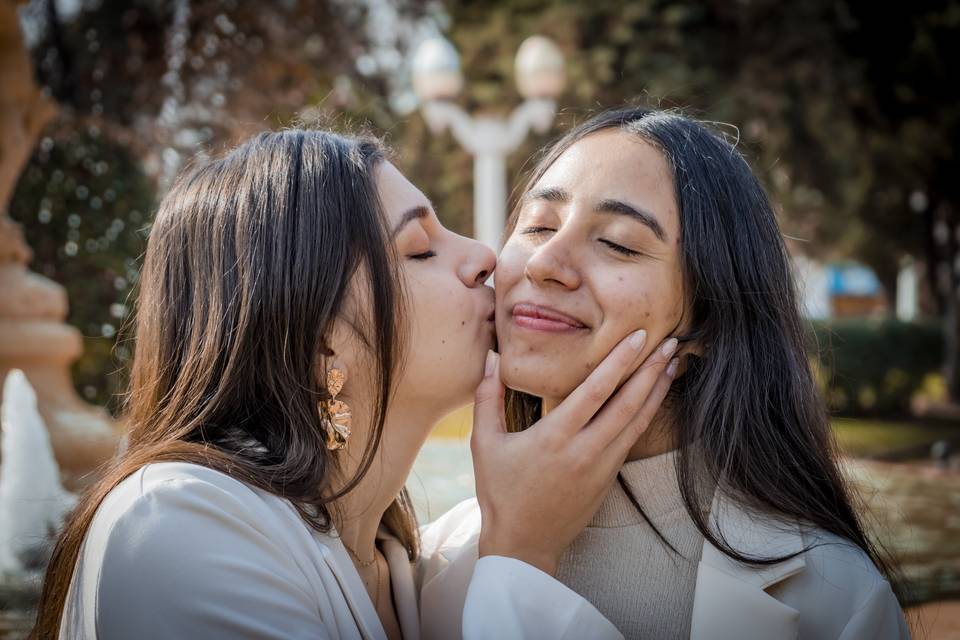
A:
x,y
659,436
361,511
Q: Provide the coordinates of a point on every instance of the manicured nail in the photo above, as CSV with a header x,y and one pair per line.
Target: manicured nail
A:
x,y
672,367
637,339
491,364
669,347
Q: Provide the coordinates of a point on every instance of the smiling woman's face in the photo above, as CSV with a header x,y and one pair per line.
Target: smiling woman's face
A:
x,y
594,255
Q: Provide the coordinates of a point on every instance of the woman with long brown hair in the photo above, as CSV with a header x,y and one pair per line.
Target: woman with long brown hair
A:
x,y
303,321
731,518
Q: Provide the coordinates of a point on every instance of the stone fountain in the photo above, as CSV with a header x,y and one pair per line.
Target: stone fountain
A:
x,y
33,335
33,501
35,339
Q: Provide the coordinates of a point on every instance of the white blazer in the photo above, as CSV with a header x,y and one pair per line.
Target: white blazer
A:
x,y
830,591
178,550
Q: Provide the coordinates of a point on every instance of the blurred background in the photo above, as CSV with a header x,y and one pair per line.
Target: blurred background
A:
x,y
848,110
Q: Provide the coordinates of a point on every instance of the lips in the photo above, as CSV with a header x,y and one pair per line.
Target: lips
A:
x,y
532,316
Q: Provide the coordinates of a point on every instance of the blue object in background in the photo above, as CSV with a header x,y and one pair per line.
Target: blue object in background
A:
x,y
851,279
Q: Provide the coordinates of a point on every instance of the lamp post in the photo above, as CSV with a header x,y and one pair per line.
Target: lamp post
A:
x,y
437,80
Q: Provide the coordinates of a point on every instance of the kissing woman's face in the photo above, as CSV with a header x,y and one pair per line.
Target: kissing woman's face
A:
x,y
594,255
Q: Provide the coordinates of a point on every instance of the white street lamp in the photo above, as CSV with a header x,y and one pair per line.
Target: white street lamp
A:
x,y
540,80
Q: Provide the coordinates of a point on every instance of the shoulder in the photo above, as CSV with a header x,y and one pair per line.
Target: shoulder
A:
x,y
450,539
182,542
172,490
840,591
157,510
170,514
828,579
455,528
837,558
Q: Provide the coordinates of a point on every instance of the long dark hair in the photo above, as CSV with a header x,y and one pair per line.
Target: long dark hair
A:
x,y
749,400
247,266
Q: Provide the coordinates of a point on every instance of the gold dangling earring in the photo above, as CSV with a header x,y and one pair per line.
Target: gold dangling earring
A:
x,y
335,414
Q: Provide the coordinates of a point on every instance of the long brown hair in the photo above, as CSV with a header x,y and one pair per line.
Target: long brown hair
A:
x,y
749,401
248,264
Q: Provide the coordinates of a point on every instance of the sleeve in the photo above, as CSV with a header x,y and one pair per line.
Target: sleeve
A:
x,y
879,618
187,560
509,599
494,597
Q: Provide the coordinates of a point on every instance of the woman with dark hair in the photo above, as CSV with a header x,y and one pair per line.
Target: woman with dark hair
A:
x,y
730,518
303,322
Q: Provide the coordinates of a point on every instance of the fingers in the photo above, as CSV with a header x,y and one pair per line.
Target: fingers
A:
x,y
488,415
624,407
580,406
641,421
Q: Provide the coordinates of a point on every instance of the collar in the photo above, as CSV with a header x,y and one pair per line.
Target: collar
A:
x,y
731,599
355,594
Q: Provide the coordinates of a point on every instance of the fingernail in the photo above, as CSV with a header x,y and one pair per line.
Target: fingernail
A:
x,y
672,367
669,347
491,364
637,339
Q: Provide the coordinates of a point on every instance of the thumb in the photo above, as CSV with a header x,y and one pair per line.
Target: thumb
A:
x,y
488,415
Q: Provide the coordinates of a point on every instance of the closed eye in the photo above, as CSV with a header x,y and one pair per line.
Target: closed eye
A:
x,y
529,231
621,249
426,255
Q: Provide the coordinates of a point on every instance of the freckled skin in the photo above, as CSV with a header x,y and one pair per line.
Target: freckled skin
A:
x,y
566,265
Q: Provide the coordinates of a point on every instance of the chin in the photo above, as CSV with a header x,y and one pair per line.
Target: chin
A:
x,y
538,376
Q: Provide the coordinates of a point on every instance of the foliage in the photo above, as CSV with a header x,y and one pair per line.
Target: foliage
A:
x,y
847,110
874,367
85,204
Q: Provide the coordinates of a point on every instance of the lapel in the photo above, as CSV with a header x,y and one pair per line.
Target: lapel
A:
x,y
401,582
730,601
351,586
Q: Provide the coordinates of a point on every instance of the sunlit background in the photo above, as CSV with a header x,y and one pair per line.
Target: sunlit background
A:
x,y
848,110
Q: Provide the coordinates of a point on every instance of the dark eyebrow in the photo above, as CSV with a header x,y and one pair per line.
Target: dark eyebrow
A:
x,y
550,194
624,209
555,194
415,213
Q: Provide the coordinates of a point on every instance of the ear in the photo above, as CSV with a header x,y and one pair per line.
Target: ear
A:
x,y
692,348
333,351
327,363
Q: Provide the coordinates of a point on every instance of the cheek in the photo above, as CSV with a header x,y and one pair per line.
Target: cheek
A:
x,y
654,303
510,265
440,314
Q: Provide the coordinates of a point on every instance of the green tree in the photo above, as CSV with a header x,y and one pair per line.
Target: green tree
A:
x,y
848,110
140,88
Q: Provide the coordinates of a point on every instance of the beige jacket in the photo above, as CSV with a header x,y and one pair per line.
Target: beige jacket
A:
x,y
832,590
179,551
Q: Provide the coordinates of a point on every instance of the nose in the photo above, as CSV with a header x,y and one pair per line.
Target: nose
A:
x,y
479,262
551,264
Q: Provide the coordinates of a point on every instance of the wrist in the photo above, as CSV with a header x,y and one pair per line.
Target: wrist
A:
x,y
538,558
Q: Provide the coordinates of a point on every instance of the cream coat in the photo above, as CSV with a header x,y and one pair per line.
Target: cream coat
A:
x,y
832,590
181,551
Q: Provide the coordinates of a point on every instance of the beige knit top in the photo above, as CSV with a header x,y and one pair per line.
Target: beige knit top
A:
x,y
623,568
